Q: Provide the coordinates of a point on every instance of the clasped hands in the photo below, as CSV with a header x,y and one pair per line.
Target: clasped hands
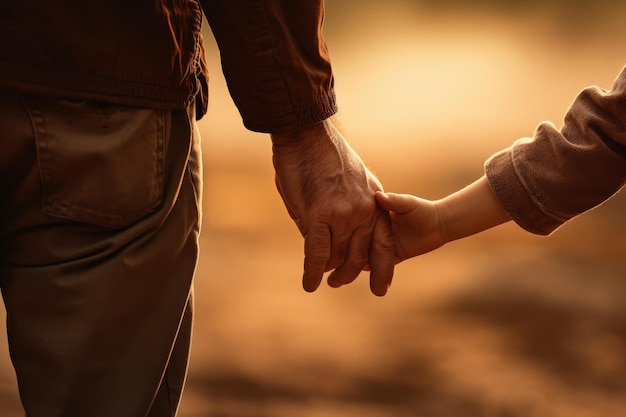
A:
x,y
329,193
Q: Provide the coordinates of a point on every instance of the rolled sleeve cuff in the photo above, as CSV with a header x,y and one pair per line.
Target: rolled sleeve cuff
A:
x,y
292,118
514,197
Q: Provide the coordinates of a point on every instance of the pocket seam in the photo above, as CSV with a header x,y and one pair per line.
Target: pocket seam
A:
x,y
53,203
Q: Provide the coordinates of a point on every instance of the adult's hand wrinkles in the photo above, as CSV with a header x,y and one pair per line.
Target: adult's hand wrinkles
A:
x,y
329,193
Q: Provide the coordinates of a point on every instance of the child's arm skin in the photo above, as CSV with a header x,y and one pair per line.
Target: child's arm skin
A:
x,y
420,225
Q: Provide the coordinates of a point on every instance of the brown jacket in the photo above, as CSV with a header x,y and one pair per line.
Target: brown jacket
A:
x,y
544,181
130,52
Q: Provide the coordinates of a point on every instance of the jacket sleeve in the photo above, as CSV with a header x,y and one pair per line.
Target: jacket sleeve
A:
x,y
543,181
275,61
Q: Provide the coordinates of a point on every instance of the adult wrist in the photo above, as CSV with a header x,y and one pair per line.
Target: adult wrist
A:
x,y
297,136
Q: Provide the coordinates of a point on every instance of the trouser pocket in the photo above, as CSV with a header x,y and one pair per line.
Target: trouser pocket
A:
x,y
100,164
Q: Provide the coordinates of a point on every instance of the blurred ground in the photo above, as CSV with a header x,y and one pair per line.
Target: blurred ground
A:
x,y
504,324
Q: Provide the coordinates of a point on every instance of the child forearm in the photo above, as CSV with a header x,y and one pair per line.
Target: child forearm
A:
x,y
470,210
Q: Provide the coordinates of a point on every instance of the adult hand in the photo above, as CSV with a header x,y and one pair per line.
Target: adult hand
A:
x,y
329,193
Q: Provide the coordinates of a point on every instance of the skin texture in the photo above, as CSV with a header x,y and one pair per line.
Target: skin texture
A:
x,y
329,194
420,226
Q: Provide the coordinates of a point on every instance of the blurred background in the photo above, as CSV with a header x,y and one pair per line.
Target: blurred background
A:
x,y
503,324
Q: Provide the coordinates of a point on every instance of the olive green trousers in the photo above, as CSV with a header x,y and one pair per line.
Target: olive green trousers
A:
x,y
99,224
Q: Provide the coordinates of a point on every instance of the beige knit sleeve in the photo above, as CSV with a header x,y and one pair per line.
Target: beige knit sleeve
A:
x,y
543,181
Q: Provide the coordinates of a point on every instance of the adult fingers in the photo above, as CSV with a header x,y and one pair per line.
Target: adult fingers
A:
x,y
382,256
339,242
356,259
316,254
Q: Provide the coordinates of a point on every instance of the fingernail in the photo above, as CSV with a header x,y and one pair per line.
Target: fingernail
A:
x,y
382,293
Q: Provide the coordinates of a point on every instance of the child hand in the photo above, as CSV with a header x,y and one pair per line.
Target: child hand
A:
x,y
416,224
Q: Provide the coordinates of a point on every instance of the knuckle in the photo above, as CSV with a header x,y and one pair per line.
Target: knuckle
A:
x,y
316,256
384,243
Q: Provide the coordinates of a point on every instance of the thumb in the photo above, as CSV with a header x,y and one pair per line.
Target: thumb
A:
x,y
398,203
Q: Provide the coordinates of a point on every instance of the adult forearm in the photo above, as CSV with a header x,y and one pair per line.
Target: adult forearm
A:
x,y
275,61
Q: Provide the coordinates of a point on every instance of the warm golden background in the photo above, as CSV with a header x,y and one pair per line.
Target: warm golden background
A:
x,y
504,324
